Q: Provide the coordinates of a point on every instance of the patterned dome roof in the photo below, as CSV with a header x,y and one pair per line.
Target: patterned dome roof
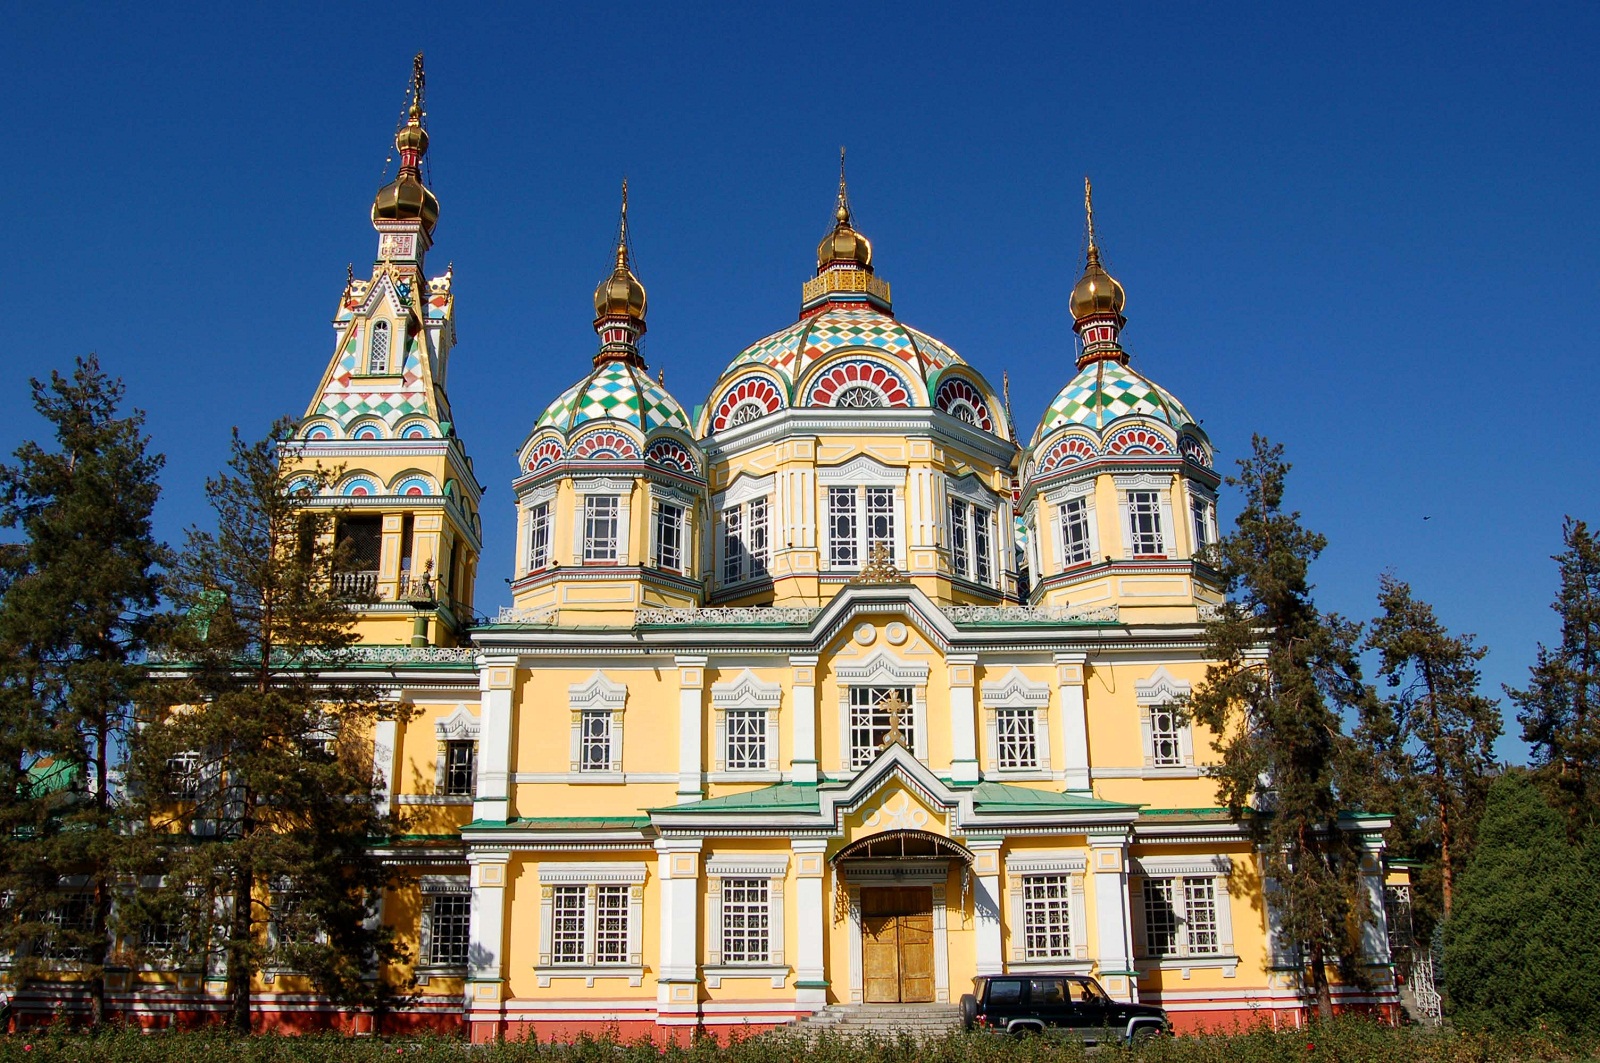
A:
x,y
615,391
1106,390
792,351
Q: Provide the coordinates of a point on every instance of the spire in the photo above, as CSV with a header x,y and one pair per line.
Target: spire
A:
x,y
844,260
406,198
619,303
1097,300
841,214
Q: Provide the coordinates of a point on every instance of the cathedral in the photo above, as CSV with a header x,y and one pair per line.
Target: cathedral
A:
x,y
834,686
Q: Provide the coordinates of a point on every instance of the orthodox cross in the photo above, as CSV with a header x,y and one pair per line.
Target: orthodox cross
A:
x,y
894,706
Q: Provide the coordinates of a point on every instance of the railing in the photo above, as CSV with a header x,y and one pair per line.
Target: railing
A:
x,y
1027,614
741,614
355,584
418,590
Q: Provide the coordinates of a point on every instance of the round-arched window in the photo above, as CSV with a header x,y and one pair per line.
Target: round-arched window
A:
x,y
378,348
859,397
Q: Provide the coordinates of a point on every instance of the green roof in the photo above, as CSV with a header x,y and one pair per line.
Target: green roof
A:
x,y
781,797
998,796
51,776
563,823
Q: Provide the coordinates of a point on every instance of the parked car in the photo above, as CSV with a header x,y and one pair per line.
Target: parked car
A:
x,y
1066,1004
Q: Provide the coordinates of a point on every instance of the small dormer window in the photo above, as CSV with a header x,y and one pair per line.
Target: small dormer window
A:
x,y
378,349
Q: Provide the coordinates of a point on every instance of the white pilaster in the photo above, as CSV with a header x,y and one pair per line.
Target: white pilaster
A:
x,y
691,728
811,922
986,903
963,718
486,954
804,739
1108,866
496,677
1375,933
383,733
678,977
1074,720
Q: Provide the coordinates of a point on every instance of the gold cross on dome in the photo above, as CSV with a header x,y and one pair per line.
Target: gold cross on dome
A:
x,y
894,705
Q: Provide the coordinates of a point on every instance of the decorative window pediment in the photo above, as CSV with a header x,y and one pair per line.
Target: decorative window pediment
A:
x,y
459,726
1160,688
597,692
882,668
1015,691
745,690
861,469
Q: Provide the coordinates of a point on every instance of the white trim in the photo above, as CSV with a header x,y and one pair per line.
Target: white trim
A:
x,y
459,726
861,471
596,694
1192,866
599,874
743,489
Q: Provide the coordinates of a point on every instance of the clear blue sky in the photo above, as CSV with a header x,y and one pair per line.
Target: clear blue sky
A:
x,y
1369,232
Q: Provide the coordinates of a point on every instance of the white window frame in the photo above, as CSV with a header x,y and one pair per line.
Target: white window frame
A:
x,y
616,879
539,537
1157,695
669,513
387,368
1016,693
773,870
883,669
596,695
433,886
1054,503
1177,871
622,491
745,692
860,475
965,499
532,502
1024,870
744,501
1161,487
1202,518
598,510
460,726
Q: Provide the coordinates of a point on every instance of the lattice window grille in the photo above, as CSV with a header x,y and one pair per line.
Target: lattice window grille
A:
x,y
1016,738
611,925
594,743
378,349
746,920
600,527
843,551
1047,917
569,936
1076,548
449,929
869,722
746,740
1144,523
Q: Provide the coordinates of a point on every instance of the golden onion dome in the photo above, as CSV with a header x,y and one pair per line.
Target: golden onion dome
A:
x,y
621,294
844,244
1097,292
406,197
412,137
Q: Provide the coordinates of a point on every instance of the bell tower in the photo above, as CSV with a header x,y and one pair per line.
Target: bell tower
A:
x,y
407,497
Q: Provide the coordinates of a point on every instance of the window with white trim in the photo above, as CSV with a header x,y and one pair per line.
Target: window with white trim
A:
x,y
600,514
1076,546
746,543
1165,749
1047,917
960,552
1203,519
378,349
569,939
971,531
591,918
1144,524
746,740
594,743
746,920
1167,734
1180,917
596,748
539,537
858,517
669,536
611,925
869,721
460,768
1016,738
449,929
68,920
183,771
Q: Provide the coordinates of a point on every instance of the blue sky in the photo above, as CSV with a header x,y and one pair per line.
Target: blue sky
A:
x,y
1367,232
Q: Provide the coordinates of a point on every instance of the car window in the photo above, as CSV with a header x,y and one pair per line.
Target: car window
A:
x,y
1084,993
1044,992
1005,991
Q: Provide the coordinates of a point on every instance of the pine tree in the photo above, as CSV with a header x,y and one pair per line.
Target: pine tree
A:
x,y
78,601
1522,945
1560,708
1283,673
1432,743
255,768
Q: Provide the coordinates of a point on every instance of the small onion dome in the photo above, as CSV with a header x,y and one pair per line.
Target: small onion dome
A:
x,y
406,197
621,294
1097,292
844,244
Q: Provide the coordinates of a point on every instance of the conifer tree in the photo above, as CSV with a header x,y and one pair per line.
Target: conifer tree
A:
x,y
1283,673
1560,708
254,770
77,600
1431,745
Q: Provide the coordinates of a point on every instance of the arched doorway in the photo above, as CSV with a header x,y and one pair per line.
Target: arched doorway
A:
x,y
896,884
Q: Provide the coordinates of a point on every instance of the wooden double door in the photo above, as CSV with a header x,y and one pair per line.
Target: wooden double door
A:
x,y
897,944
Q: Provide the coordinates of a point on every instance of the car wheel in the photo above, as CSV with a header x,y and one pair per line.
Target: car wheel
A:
x,y
969,1010
1143,1035
1025,1029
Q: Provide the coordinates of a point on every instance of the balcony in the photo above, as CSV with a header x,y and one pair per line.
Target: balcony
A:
x,y
355,586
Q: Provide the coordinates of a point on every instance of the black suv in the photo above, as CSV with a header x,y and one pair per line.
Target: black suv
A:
x,y
1071,1004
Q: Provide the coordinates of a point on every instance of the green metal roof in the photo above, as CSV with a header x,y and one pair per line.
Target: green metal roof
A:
x,y
781,797
997,796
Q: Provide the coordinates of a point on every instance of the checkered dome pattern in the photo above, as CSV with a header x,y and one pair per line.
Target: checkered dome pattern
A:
x,y
615,392
1105,391
349,397
795,349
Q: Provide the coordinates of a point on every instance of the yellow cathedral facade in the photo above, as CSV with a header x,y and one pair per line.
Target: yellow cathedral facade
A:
x,y
837,689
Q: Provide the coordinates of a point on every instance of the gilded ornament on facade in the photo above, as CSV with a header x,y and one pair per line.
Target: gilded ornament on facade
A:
x,y
879,568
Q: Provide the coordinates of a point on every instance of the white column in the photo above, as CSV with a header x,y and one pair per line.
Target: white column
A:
x,y
1375,934
678,972
496,732
486,954
1074,720
963,718
383,763
691,728
1108,865
804,738
986,903
811,922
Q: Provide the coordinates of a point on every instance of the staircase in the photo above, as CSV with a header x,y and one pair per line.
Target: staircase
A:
x,y
921,1021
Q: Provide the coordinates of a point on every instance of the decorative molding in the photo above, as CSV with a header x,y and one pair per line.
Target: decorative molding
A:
x,y
599,874
544,614
1160,688
1028,614
597,692
756,614
1169,866
882,669
459,726
861,471
746,691
1015,691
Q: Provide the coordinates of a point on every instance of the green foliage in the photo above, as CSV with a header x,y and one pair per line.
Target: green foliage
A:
x,y
77,601
255,771
1522,946
1283,674
1428,750
1340,1041
1560,708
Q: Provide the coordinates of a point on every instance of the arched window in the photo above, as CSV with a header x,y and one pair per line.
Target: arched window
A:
x,y
858,398
378,348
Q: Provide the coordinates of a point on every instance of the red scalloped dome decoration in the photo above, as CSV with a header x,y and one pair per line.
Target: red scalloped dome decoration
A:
x,y
1138,441
1068,451
605,444
548,452
1190,448
964,402
743,400
672,454
855,378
